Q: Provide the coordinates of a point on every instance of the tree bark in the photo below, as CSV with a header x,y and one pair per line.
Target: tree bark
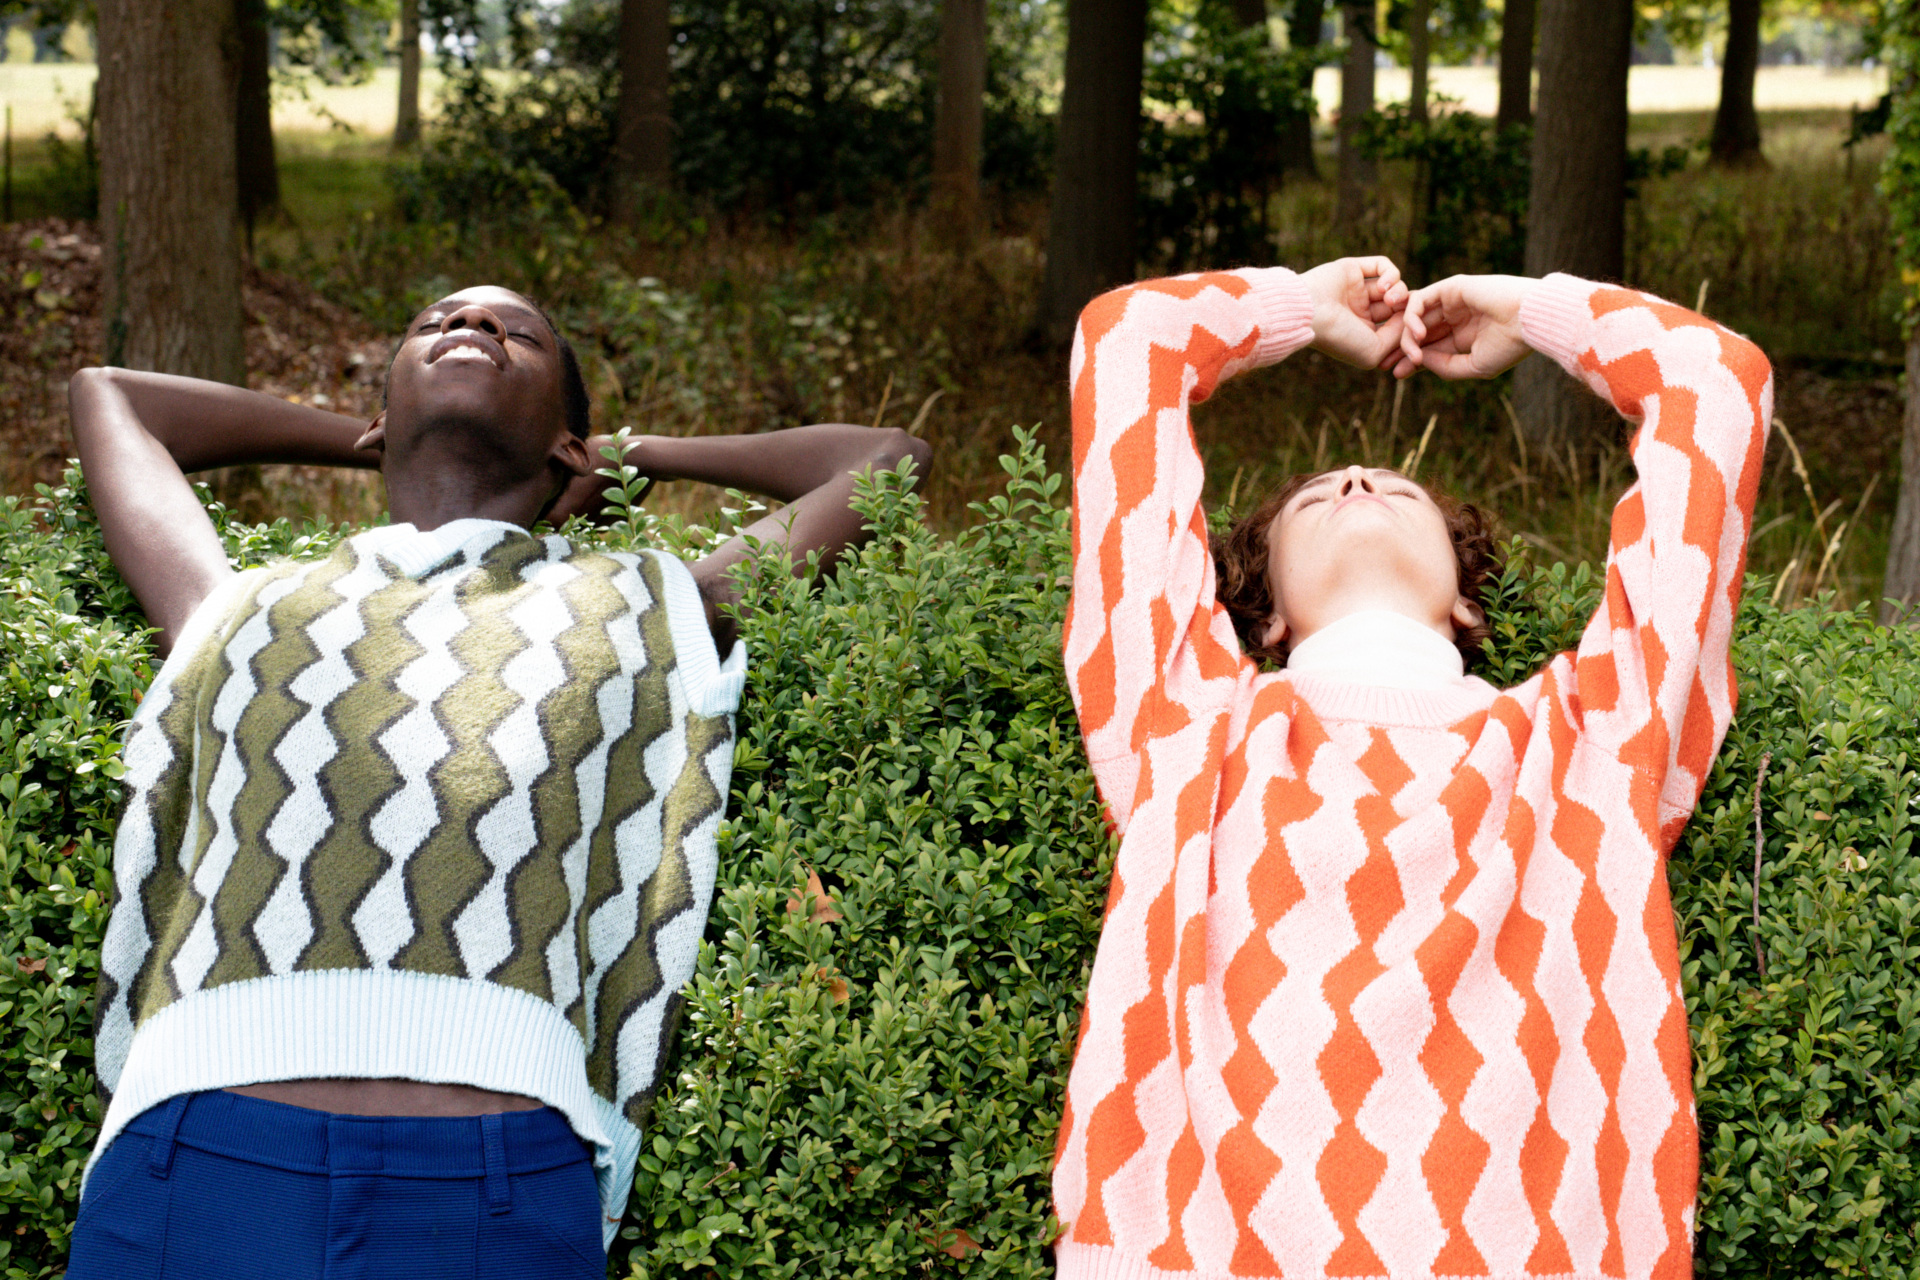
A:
x,y
643,128
1516,65
258,171
1090,229
1357,172
1577,203
1296,139
960,117
406,116
1419,56
1900,593
1736,125
169,196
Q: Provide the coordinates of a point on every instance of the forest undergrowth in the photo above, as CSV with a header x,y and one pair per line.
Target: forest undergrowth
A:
x,y
698,324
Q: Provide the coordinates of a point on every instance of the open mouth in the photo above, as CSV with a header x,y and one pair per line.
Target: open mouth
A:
x,y
467,344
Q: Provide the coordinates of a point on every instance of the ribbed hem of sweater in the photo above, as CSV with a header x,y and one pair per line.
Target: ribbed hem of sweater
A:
x,y
376,1025
1098,1262
1285,311
1557,318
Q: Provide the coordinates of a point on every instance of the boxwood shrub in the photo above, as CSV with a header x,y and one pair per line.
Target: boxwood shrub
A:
x,y
872,1052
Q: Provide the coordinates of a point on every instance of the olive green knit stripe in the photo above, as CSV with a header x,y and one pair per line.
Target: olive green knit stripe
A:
x,y
448,869
538,903
629,790
175,904
169,804
273,710
635,978
361,777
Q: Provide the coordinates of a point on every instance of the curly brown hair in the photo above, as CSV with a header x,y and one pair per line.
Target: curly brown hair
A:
x,y
1240,567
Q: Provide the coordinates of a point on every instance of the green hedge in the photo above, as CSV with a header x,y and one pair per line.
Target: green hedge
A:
x,y
869,1076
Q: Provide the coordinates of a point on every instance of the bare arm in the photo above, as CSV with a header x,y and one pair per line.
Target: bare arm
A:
x,y
139,434
811,469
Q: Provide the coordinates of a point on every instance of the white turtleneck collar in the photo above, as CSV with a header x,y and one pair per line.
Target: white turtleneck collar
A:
x,y
1381,648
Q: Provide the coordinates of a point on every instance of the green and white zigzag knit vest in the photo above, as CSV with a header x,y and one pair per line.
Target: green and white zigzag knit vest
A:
x,y
440,807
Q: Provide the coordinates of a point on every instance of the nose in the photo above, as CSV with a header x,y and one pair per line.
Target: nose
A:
x,y
1356,477
473,316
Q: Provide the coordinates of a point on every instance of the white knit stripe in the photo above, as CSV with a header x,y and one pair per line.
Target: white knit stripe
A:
x,y
1097,1262
611,925
506,833
1296,1023
676,944
614,702
414,743
284,926
202,948
713,687
1576,1101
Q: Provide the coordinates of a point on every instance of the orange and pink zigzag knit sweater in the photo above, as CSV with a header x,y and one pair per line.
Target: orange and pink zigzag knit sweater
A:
x,y
1388,984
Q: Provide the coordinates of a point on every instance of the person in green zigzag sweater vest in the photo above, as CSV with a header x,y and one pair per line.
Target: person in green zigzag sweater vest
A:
x,y
420,838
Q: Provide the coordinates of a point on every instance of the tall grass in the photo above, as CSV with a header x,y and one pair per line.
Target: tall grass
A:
x,y
698,325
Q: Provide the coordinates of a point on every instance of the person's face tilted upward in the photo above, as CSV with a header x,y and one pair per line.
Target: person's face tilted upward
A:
x,y
1362,539
478,373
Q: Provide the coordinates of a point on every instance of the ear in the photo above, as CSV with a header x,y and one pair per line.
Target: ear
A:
x,y
375,436
1276,633
1465,613
570,451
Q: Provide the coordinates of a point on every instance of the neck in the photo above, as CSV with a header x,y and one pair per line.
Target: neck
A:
x,y
428,488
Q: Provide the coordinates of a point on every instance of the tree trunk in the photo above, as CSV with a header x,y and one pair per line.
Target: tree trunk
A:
x,y
1516,65
1096,161
1296,138
169,198
960,117
1736,125
406,116
1900,594
1357,172
1577,204
1419,56
643,128
258,173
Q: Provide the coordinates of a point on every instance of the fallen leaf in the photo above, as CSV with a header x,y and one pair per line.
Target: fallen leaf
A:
x,y
961,1246
822,910
836,986
32,966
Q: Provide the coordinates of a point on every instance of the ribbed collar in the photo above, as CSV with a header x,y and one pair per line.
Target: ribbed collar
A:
x,y
414,552
1384,668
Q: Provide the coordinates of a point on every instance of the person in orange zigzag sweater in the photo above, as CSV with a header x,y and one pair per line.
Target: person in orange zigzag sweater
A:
x,y
1388,984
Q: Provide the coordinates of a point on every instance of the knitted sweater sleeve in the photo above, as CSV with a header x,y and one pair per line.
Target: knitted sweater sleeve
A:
x,y
1145,642
1654,682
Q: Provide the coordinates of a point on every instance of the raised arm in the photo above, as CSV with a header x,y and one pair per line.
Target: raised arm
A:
x,y
1655,682
140,434
1143,633
810,469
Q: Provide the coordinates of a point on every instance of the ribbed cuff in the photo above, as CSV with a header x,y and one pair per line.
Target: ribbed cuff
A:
x,y
1284,309
1557,319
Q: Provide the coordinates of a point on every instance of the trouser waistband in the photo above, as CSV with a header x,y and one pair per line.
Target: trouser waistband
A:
x,y
319,1142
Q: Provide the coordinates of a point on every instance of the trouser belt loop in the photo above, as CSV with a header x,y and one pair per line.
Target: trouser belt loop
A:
x,y
160,1156
493,1138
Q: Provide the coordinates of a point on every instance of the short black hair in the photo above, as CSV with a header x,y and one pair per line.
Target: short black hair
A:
x,y
573,387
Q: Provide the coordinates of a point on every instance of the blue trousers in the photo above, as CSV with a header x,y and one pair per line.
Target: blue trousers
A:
x,y
216,1186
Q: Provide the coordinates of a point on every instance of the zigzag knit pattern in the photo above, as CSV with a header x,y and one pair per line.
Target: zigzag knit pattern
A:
x,y
442,807
1388,984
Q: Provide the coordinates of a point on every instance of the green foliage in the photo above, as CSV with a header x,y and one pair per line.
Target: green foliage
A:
x,y
1218,98
792,107
1473,185
875,1041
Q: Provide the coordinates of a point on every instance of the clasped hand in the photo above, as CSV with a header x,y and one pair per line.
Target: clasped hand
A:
x,y
1460,327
